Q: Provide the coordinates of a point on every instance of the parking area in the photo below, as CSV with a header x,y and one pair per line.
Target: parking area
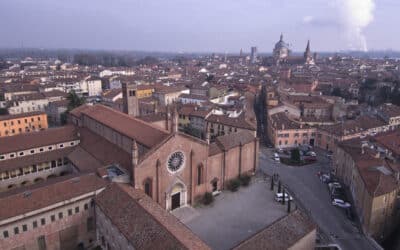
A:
x,y
314,196
234,217
339,194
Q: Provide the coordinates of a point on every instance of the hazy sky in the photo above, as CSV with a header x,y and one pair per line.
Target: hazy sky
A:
x,y
200,25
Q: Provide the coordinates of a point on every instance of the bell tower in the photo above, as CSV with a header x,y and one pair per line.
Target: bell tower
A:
x,y
130,99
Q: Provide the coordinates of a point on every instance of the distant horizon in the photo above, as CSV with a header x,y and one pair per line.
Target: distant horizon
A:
x,y
200,26
247,52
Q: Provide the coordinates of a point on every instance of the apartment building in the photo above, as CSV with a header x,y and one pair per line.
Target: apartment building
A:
x,y
374,184
22,123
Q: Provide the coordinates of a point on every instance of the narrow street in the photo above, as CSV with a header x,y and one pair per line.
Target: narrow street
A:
x,y
313,197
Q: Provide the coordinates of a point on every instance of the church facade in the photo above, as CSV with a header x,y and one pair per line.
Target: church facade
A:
x,y
173,168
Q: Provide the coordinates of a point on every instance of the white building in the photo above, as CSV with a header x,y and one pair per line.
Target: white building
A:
x,y
91,85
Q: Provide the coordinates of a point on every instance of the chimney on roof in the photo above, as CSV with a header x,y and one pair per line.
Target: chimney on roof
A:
x,y
167,117
135,160
364,145
283,126
397,176
208,136
174,120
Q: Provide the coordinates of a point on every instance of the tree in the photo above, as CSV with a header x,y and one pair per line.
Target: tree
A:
x,y
336,91
384,94
295,155
148,60
3,111
74,100
63,118
209,78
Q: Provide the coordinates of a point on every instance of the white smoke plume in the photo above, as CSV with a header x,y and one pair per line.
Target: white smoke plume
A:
x,y
356,15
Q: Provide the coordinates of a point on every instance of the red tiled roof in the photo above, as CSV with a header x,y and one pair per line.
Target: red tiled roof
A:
x,y
19,162
105,152
237,122
144,133
23,115
232,140
15,202
37,139
83,161
143,222
282,234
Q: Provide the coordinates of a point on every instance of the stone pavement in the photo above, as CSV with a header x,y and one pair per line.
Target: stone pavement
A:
x,y
234,217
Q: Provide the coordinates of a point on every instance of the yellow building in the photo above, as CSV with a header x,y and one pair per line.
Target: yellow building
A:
x,y
144,91
22,123
184,116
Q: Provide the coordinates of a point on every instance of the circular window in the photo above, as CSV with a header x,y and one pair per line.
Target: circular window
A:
x,y
176,161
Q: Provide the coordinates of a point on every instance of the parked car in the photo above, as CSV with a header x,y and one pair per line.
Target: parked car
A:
x,y
340,203
329,154
350,215
332,179
276,157
311,153
309,158
325,178
338,193
279,197
333,185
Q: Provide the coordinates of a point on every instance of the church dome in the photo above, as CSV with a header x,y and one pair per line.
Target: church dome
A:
x,y
281,44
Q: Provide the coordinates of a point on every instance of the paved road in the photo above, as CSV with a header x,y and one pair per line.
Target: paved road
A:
x,y
313,195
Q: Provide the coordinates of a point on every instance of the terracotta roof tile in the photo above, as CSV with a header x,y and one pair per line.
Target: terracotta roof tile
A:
x,y
23,115
282,234
19,162
15,202
84,161
105,152
238,122
37,139
232,140
143,222
144,133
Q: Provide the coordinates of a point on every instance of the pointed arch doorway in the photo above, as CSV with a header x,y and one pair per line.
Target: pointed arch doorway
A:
x,y
177,196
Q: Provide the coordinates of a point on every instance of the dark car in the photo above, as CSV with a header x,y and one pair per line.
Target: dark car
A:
x,y
349,214
338,193
309,158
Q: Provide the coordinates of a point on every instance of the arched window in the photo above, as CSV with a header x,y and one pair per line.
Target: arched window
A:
x,y
148,187
200,173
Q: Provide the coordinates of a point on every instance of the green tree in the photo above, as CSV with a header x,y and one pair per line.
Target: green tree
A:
x,y
63,118
295,155
337,92
74,100
3,111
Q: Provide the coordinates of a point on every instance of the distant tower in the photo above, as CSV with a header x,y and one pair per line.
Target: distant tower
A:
x,y
308,57
241,53
130,99
253,56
